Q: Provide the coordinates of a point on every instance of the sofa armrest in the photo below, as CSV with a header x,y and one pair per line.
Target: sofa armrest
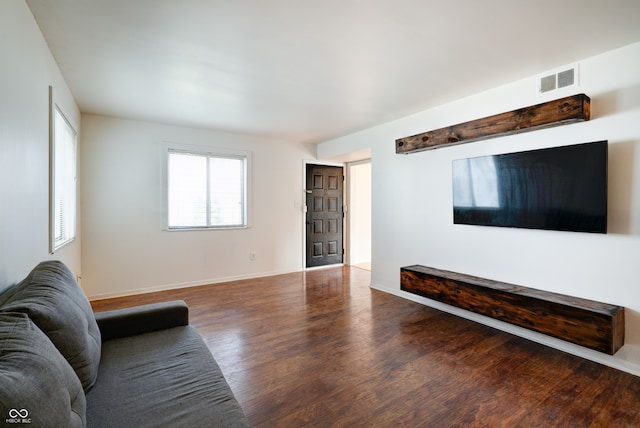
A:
x,y
142,319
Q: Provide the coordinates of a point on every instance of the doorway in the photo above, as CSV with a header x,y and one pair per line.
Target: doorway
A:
x,y
359,214
325,215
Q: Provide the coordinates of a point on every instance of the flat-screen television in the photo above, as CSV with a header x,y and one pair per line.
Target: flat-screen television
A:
x,y
559,188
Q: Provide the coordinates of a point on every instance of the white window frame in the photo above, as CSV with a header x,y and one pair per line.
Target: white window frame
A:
x,y
63,178
207,151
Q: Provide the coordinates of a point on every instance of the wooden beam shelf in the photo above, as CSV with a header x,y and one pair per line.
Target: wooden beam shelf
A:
x,y
587,323
567,110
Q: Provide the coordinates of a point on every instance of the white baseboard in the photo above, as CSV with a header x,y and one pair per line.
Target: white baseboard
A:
x,y
165,287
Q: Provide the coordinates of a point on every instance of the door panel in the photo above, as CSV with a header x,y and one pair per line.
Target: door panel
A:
x,y
324,215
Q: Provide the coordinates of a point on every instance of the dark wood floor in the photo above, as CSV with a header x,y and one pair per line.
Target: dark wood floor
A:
x,y
322,349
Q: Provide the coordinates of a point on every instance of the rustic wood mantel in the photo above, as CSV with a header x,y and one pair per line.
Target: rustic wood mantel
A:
x,y
587,323
571,109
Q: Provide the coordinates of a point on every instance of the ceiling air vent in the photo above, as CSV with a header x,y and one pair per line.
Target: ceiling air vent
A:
x,y
558,79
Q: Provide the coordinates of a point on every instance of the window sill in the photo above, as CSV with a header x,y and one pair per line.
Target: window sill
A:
x,y
195,228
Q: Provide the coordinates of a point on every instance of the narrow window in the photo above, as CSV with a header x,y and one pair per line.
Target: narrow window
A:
x,y
206,190
63,181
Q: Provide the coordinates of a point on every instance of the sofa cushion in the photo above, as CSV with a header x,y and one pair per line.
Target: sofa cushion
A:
x,y
55,302
165,378
37,383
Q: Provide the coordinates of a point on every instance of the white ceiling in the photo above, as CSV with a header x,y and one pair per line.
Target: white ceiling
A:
x,y
312,70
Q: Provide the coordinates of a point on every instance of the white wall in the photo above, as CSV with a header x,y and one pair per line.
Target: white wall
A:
x,y
27,69
126,250
412,202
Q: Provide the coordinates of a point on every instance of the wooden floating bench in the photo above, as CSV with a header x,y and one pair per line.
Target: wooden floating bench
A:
x,y
591,324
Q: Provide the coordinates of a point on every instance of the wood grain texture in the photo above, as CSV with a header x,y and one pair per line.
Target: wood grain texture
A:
x,y
595,325
576,108
322,349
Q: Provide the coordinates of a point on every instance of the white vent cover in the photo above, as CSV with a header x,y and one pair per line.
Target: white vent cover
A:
x,y
558,79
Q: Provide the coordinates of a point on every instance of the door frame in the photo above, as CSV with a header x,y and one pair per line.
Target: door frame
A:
x,y
303,204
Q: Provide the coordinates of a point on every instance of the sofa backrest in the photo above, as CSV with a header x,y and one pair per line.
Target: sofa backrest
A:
x,y
54,301
37,385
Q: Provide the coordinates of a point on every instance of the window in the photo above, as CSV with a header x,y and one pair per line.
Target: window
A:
x,y
63,181
206,190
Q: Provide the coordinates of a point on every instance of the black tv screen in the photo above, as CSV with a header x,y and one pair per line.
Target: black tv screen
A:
x,y
559,188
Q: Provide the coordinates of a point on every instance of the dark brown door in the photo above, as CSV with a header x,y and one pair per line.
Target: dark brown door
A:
x,y
325,215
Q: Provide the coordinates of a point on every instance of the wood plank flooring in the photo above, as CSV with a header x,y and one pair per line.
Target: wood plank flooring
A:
x,y
322,349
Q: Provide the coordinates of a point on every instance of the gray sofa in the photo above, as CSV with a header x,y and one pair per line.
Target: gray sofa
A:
x,y
62,365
